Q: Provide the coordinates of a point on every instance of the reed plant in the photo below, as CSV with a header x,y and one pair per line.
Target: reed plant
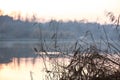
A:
x,y
87,60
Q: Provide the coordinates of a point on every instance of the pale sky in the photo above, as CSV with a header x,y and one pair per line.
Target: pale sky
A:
x,y
62,9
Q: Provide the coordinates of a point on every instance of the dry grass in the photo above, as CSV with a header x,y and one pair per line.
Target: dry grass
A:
x,y
88,61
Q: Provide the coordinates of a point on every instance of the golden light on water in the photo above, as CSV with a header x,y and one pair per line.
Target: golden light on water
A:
x,y
15,71
61,9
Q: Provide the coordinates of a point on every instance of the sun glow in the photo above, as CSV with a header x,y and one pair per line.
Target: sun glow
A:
x,y
61,9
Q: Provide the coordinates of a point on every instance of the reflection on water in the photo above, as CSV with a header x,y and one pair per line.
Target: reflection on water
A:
x,y
23,68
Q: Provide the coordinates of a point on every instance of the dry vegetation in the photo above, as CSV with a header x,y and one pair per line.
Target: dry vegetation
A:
x,y
88,63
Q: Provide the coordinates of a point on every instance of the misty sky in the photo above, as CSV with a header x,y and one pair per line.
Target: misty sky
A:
x,y
62,9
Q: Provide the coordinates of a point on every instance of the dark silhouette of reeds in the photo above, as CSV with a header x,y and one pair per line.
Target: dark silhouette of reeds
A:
x,y
88,61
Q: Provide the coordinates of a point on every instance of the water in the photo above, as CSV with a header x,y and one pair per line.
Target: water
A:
x,y
24,68
21,71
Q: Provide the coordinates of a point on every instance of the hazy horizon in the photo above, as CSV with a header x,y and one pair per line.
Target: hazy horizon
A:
x,y
91,10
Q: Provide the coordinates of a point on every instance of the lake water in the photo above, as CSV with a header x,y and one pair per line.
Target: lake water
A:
x,y
23,68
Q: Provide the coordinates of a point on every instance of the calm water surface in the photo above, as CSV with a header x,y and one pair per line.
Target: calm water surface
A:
x,y
22,68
